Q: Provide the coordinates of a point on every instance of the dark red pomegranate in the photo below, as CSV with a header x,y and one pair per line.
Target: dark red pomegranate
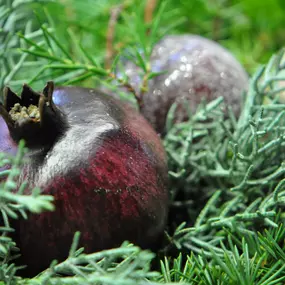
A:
x,y
102,162
195,68
7,145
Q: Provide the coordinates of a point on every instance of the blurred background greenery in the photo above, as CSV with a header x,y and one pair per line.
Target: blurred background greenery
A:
x,y
253,30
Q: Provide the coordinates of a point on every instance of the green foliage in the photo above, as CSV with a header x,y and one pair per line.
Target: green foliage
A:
x,y
234,266
70,62
102,267
13,203
246,156
226,175
251,30
13,19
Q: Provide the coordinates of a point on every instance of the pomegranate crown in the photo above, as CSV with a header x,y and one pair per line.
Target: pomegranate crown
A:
x,y
32,116
28,108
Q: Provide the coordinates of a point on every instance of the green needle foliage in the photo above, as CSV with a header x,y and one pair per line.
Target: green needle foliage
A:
x,y
13,203
70,63
244,159
227,185
15,16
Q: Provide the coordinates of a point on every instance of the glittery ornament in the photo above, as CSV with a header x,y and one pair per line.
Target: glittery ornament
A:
x,y
195,68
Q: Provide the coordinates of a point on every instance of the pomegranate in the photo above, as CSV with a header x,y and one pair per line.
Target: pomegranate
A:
x,y
99,158
7,145
195,68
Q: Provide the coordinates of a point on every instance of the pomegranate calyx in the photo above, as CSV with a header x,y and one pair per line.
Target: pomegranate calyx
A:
x,y
32,116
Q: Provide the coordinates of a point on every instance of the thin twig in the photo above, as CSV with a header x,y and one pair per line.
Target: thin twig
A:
x,y
114,15
149,8
129,88
216,28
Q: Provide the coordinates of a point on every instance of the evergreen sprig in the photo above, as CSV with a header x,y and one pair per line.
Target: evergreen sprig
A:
x,y
238,166
125,265
70,63
13,203
236,265
13,19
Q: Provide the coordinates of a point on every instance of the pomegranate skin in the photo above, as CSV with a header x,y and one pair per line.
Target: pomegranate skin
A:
x,y
7,145
106,169
195,68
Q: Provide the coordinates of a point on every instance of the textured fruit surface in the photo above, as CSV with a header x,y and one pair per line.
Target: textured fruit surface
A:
x,y
195,68
7,145
107,172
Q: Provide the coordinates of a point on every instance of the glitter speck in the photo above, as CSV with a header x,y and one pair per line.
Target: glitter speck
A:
x,y
157,92
167,82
